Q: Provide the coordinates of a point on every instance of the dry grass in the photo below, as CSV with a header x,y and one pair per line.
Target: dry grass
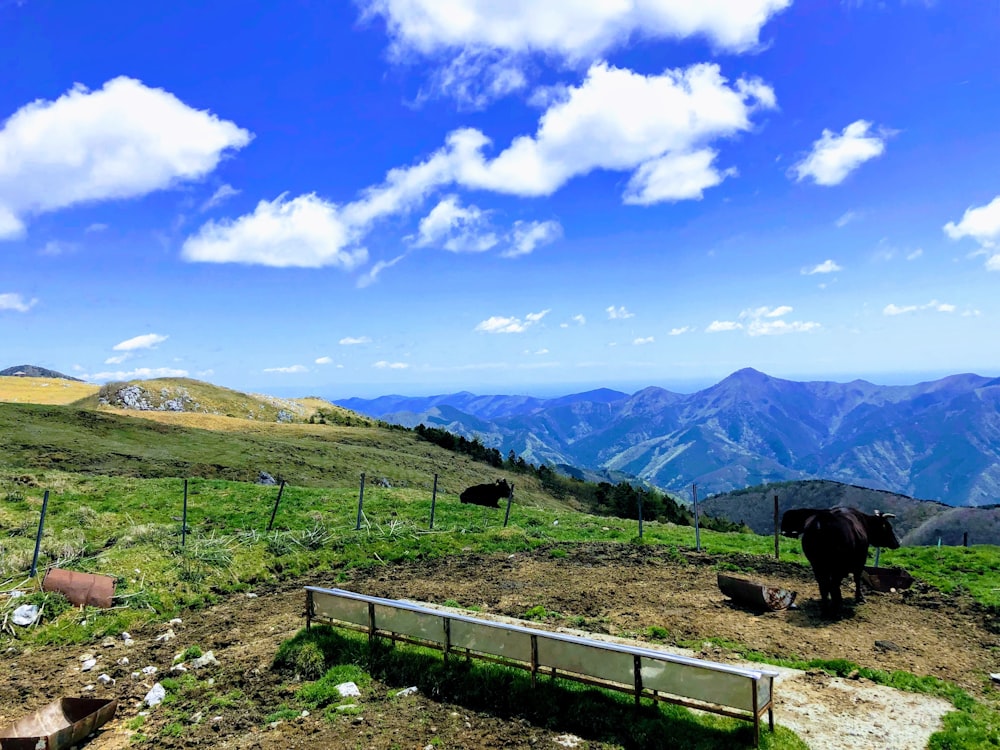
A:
x,y
44,390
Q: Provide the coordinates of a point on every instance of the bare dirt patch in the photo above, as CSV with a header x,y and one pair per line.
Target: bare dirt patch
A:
x,y
619,590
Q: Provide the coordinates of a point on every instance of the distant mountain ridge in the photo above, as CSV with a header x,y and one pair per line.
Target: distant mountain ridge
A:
x,y
938,439
33,371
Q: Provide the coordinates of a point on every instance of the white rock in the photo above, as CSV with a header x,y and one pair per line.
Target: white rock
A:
x,y
204,660
128,641
123,662
87,689
88,665
251,595
168,636
149,670
178,669
126,636
407,691
155,696
348,690
196,717
86,657
304,714
25,615
176,621
106,679
136,675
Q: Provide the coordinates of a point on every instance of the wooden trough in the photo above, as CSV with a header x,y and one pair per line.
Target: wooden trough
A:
x,y
59,725
757,596
886,579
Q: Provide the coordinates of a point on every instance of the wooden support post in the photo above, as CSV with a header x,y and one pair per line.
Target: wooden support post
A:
x,y
756,715
777,530
447,631
184,515
637,674
434,494
309,608
277,500
38,537
361,501
534,660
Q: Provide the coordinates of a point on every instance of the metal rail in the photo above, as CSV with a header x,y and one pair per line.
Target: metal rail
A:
x,y
724,689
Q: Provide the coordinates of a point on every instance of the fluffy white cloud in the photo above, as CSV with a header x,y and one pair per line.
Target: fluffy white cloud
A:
x,y
718,326
573,30
981,224
833,156
618,313
827,266
140,373
474,78
354,340
290,369
324,360
121,141
502,324
525,236
679,331
934,305
643,340
146,341
16,302
118,359
620,120
766,321
306,231
384,365
455,228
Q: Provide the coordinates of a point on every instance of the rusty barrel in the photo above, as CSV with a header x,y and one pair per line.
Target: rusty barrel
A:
x,y
60,725
755,595
81,588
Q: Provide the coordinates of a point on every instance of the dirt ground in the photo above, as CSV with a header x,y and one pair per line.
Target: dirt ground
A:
x,y
612,589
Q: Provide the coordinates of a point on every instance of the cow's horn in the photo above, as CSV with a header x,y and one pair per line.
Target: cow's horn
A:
x,y
888,515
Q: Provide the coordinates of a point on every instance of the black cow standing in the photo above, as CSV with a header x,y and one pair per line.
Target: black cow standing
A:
x,y
793,521
836,541
488,495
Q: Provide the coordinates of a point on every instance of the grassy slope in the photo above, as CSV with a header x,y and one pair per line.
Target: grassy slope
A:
x,y
44,390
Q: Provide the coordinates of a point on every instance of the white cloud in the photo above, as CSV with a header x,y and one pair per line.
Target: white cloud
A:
x,y
572,31
324,360
291,369
847,218
369,278
981,224
618,313
221,194
306,231
124,140
915,254
96,227
675,177
679,331
54,248
766,321
718,326
525,236
580,320
16,302
474,78
833,157
993,263
146,341
827,266
456,229
502,324
354,340
645,340
384,365
933,305
118,359
140,373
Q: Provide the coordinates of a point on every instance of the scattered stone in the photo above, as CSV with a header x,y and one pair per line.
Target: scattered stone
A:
x,y
108,643
25,615
196,717
995,676
168,636
155,696
178,669
206,659
304,714
136,675
251,595
407,691
149,670
568,740
106,679
87,689
264,478
176,621
887,646
88,665
86,657
123,662
348,690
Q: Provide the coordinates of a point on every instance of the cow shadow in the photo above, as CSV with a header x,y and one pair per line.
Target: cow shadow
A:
x,y
804,613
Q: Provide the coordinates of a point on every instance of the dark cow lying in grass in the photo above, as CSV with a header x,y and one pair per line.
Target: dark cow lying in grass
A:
x,y
488,495
836,542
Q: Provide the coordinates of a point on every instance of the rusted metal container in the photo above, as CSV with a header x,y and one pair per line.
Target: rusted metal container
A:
x,y
886,579
755,595
59,725
81,588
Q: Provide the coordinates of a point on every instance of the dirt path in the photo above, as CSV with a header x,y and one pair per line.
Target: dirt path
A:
x,y
600,588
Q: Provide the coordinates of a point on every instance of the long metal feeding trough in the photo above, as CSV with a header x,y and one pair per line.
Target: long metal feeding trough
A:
x,y
755,595
59,725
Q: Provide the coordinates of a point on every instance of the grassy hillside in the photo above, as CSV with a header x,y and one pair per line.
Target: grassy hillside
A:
x,y
20,390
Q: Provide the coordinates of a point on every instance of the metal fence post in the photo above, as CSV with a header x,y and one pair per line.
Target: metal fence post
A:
x,y
361,501
777,530
277,500
38,538
697,530
184,515
434,494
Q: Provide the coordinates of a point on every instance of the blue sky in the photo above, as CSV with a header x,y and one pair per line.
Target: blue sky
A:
x,y
417,197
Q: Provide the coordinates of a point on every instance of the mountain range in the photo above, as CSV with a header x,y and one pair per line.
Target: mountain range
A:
x,y
937,440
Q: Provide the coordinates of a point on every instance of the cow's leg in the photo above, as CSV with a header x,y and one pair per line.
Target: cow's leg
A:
x,y
859,596
823,580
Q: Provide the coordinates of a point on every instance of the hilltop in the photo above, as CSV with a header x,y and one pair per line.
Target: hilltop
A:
x,y
33,371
